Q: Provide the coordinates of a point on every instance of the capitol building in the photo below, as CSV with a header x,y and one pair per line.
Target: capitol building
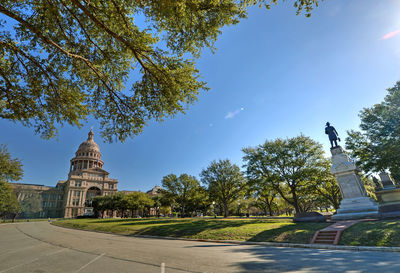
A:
x,y
72,197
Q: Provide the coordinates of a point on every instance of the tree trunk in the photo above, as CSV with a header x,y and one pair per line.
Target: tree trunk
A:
x,y
295,202
226,210
269,205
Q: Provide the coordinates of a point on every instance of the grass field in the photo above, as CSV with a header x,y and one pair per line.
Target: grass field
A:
x,y
260,230
376,233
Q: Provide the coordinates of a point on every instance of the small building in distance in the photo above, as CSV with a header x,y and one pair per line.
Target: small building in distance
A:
x,y
154,191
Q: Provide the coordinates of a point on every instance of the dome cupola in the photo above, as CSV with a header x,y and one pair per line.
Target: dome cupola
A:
x,y
87,156
89,146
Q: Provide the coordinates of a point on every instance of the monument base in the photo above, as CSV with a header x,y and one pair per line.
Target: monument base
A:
x,y
356,208
389,202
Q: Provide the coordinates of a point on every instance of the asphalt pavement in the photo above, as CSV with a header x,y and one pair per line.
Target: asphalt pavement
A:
x,y
40,247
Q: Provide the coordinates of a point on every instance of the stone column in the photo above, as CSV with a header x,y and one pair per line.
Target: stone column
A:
x,y
355,203
70,197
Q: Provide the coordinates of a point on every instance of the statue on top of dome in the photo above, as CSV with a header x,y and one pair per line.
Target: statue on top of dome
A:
x,y
90,134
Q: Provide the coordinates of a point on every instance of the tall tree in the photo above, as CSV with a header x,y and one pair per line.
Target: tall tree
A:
x,y
265,199
377,146
181,189
9,204
326,186
225,183
101,204
10,170
290,166
138,201
65,59
199,201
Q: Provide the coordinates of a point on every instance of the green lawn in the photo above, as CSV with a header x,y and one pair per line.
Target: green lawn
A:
x,y
376,233
260,230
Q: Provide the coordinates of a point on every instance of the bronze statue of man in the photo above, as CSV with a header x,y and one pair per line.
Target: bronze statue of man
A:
x,y
333,135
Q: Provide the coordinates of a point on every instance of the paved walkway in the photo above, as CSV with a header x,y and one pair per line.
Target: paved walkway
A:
x,y
342,225
41,247
331,234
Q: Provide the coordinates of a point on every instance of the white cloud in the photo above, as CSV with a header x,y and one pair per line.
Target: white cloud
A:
x,y
230,115
390,34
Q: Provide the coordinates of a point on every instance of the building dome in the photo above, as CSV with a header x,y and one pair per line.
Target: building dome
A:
x,y
89,145
87,156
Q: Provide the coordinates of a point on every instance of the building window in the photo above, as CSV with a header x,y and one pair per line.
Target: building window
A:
x,y
75,202
44,195
78,184
44,204
60,197
111,186
53,197
77,193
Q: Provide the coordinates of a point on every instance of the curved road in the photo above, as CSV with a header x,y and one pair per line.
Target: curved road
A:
x,y
40,247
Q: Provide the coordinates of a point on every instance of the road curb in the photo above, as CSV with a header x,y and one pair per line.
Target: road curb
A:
x,y
271,244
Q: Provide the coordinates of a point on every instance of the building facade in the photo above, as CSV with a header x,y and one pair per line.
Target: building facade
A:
x,y
72,197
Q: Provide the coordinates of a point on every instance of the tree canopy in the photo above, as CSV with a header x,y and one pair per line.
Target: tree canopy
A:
x,y
182,190
377,145
225,183
290,166
10,170
61,61
8,201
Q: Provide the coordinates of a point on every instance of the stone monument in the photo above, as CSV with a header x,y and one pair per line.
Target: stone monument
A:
x,y
386,180
355,203
388,197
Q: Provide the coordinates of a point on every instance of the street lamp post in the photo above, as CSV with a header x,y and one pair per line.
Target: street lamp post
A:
x,y
215,214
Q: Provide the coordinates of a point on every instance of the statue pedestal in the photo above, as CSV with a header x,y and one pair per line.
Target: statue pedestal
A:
x,y
389,202
355,203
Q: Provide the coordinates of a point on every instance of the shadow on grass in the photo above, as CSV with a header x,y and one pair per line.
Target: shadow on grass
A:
x,y
190,221
135,221
295,233
188,228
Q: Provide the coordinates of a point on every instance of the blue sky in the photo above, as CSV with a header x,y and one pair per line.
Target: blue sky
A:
x,y
273,75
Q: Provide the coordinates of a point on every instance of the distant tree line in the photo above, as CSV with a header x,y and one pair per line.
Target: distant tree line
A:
x,y
127,205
